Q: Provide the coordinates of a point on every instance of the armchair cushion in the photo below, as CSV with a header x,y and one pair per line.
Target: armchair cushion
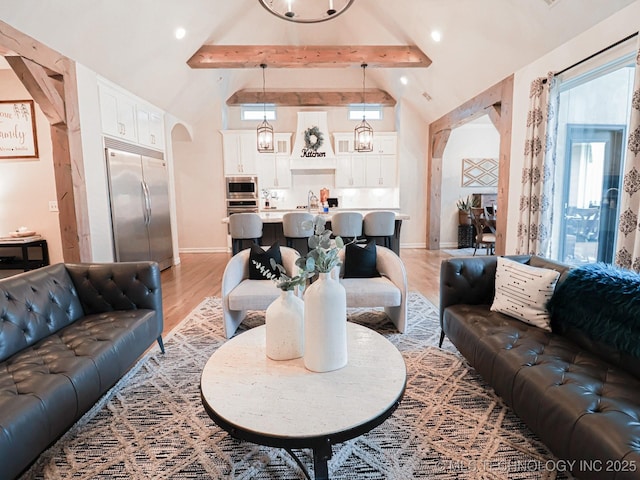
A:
x,y
360,262
253,295
264,258
371,292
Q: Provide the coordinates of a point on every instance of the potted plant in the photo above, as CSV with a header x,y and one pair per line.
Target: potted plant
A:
x,y
464,209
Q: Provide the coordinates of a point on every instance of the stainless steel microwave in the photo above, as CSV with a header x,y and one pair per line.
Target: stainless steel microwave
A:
x,y
242,187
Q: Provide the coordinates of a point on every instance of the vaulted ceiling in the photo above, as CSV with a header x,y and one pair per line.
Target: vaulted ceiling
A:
x,y
132,43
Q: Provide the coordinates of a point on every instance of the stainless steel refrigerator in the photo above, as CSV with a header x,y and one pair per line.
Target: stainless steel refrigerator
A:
x,y
139,197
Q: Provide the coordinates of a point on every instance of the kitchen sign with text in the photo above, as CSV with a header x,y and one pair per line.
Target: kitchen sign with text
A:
x,y
17,129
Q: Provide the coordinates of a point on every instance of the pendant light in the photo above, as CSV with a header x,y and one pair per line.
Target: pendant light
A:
x,y
363,139
265,130
306,11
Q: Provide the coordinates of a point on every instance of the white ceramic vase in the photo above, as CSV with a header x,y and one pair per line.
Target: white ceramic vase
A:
x,y
284,321
325,325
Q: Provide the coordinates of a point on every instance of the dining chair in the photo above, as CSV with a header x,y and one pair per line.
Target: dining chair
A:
x,y
488,239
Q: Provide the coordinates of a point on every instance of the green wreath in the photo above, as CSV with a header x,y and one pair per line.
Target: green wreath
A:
x,y
313,138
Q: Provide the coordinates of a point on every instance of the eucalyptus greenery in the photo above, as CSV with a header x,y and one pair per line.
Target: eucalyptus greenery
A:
x,y
284,281
323,253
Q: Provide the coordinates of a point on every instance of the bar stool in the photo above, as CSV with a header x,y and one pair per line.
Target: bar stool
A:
x,y
298,226
347,225
380,225
244,226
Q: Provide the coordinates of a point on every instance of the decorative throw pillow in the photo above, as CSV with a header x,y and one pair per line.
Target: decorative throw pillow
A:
x,y
360,262
602,301
264,258
522,292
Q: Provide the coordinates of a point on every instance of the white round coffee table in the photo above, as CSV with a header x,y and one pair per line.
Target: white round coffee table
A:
x,y
282,404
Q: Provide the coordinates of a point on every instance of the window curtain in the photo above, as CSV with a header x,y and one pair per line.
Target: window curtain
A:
x,y
538,170
628,243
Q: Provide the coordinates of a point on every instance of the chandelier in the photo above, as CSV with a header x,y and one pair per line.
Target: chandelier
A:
x,y
306,11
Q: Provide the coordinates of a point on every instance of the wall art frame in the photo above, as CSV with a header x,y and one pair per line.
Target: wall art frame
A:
x,y
479,172
18,138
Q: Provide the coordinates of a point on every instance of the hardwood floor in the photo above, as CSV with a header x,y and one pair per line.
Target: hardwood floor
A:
x,y
200,274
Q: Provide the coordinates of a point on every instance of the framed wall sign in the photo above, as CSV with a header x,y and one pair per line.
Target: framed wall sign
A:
x,y
18,129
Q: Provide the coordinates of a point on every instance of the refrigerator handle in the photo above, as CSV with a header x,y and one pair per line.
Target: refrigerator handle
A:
x,y
147,203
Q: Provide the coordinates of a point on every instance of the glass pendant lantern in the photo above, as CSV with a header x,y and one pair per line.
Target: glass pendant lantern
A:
x,y
363,134
265,130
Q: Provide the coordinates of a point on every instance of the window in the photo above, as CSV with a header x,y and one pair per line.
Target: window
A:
x,y
256,111
590,148
371,111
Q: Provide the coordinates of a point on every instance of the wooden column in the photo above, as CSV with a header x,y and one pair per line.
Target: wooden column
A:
x,y
496,102
51,81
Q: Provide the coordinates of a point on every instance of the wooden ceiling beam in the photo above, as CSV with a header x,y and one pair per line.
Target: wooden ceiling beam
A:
x,y
314,56
311,98
43,88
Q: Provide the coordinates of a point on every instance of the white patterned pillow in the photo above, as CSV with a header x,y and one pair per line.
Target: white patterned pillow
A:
x,y
523,291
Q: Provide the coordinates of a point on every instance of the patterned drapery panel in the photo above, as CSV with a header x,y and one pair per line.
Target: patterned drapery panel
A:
x,y
628,243
536,213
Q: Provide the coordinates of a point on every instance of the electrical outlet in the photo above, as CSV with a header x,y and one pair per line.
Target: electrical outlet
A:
x,y
53,205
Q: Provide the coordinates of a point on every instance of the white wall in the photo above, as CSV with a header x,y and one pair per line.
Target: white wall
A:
x,y
27,185
476,139
616,27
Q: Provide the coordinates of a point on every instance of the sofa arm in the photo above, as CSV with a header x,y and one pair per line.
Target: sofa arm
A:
x,y
469,280
104,287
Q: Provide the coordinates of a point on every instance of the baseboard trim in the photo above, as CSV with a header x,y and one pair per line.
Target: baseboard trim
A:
x,y
205,250
413,245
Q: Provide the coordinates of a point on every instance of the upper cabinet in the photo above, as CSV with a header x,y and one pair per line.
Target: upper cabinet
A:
x,y
274,169
367,169
129,118
240,151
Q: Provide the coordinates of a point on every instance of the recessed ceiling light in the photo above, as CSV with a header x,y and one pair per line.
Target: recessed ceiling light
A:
x,y
180,33
436,36
404,80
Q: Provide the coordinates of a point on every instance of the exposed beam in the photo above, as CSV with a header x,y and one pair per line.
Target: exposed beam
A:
x,y
42,88
310,98
68,162
496,102
316,56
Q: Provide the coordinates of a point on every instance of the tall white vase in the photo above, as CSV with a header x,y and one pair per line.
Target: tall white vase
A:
x,y
284,321
325,325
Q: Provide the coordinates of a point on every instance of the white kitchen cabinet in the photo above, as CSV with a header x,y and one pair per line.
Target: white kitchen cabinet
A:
x,y
118,114
350,171
273,171
150,127
385,143
381,171
240,152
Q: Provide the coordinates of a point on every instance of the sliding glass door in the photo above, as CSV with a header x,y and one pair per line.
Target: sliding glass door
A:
x,y
593,168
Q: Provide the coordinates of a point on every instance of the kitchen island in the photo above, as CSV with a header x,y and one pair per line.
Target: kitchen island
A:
x,y
272,224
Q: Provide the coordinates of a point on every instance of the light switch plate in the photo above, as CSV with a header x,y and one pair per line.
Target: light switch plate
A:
x,y
53,205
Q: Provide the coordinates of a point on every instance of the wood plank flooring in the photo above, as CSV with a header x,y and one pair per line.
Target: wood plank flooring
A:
x,y
200,275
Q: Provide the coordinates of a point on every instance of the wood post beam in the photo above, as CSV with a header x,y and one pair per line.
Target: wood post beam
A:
x,y
41,87
57,97
310,98
309,56
496,102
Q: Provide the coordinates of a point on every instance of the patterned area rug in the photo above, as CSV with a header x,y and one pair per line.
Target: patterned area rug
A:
x,y
152,425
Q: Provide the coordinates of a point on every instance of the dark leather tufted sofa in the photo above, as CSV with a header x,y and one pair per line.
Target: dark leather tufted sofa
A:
x,y
581,397
68,332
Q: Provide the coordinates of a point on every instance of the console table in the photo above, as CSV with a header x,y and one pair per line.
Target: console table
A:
x,y
282,404
25,262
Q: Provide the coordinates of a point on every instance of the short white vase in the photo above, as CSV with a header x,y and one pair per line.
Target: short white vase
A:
x,y
284,321
325,325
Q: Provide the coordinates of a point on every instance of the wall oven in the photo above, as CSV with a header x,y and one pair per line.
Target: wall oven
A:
x,y
242,187
242,195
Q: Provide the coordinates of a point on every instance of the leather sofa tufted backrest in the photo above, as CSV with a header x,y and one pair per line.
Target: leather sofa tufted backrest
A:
x,y
35,304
